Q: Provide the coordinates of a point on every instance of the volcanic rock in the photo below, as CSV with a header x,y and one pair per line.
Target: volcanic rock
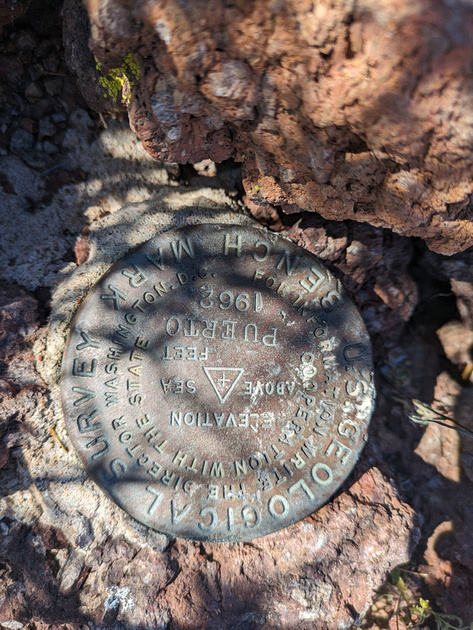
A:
x,y
352,110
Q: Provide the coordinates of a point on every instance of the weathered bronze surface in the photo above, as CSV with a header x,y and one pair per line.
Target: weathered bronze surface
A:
x,y
218,383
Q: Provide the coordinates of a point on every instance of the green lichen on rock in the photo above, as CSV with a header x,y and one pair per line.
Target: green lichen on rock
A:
x,y
119,81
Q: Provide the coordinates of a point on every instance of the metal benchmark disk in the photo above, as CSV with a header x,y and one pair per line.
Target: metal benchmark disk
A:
x,y
218,383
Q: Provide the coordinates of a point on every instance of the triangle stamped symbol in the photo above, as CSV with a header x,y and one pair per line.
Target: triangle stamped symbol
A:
x,y
223,380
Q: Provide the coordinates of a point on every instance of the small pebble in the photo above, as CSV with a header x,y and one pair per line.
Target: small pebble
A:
x,y
37,159
46,128
26,58
11,70
44,48
206,168
33,92
52,85
26,41
35,71
59,117
44,107
80,119
50,148
28,124
51,63
20,141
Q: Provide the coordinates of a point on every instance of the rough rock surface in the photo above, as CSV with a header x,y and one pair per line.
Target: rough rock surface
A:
x,y
448,556
373,265
70,559
18,323
354,110
458,270
74,558
434,463
70,556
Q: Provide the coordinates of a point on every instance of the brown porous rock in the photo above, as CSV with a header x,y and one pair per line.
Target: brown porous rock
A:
x,y
324,570
354,110
71,559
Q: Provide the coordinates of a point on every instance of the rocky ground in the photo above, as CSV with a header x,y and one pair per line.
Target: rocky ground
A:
x,y
76,192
